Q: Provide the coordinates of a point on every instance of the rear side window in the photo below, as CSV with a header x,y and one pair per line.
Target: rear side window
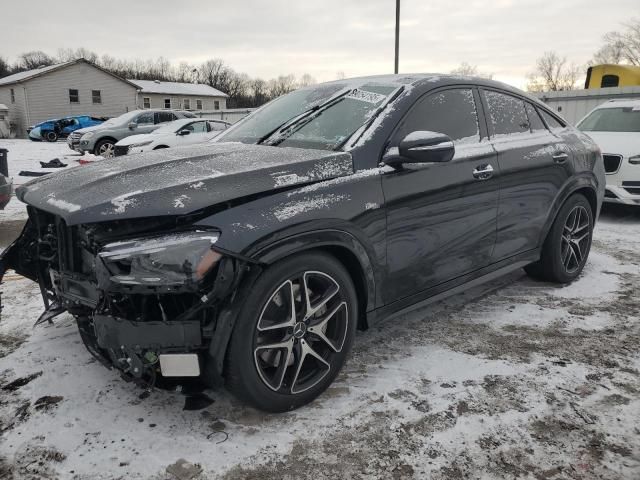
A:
x,y
506,113
164,117
452,112
534,118
551,121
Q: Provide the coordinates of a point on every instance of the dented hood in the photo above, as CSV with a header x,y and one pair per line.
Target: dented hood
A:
x,y
177,181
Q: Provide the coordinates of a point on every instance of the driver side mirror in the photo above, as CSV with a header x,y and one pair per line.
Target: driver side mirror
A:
x,y
421,147
132,125
184,132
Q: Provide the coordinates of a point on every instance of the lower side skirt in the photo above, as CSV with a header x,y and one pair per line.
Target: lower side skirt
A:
x,y
452,287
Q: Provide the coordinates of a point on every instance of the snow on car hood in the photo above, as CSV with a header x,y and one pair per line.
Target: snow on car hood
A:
x,y
619,143
84,130
177,181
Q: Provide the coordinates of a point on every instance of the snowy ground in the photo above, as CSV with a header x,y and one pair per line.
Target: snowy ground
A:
x,y
513,379
25,155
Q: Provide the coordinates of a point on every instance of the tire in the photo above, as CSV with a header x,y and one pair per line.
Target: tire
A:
x,y
104,148
566,248
255,373
51,136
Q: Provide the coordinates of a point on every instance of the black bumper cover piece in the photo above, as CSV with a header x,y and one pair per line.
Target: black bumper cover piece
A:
x,y
114,333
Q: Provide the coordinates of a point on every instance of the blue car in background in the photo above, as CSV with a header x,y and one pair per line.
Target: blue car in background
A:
x,y
52,130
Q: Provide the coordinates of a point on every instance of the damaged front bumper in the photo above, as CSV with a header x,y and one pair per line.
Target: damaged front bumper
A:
x,y
130,319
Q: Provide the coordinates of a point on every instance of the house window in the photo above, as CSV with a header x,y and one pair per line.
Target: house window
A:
x,y
198,104
74,97
96,96
13,96
146,102
609,81
167,103
186,104
216,104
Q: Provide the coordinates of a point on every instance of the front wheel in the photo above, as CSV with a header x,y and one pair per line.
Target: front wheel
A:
x,y
104,148
566,248
293,337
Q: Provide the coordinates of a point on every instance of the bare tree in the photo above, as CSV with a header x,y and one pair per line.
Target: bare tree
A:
x,y
553,73
307,80
340,75
621,47
34,59
466,69
5,69
281,85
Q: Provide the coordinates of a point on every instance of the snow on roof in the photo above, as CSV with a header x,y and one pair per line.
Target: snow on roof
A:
x,y
17,77
177,88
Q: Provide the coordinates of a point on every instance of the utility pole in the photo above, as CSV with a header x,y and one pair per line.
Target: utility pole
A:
x,y
397,35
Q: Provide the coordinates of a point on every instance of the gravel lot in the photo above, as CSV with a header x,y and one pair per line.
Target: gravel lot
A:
x,y
515,379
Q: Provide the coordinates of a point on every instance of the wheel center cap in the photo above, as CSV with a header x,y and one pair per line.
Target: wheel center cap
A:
x,y
299,330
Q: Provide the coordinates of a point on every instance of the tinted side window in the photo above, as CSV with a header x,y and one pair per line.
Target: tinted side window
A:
x,y
452,112
166,117
534,118
145,119
551,121
506,113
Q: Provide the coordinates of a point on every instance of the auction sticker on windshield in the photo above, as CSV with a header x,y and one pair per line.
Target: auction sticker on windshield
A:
x,y
364,96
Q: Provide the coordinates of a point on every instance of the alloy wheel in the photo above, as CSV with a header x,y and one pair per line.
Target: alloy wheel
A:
x,y
575,240
106,150
301,328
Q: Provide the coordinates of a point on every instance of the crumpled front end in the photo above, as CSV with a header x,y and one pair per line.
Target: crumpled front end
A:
x,y
147,305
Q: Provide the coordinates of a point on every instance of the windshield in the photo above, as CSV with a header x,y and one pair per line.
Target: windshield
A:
x,y
623,119
326,129
124,118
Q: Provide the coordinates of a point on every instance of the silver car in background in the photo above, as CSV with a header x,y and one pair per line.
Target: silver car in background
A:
x,y
101,139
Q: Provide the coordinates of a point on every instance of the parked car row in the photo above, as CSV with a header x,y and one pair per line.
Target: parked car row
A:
x,y
54,129
101,139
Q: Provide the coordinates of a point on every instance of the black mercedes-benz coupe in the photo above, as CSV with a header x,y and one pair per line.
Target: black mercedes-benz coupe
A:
x,y
252,261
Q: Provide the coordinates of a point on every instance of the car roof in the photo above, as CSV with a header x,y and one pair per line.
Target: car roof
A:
x,y
433,80
621,103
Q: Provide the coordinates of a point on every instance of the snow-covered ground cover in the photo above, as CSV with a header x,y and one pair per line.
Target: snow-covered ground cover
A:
x,y
25,155
514,379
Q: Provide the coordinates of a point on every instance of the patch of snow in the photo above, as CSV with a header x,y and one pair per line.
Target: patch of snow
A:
x,y
197,185
298,207
63,205
282,180
121,202
178,202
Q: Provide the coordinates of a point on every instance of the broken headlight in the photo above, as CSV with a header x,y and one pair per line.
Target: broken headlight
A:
x,y
169,260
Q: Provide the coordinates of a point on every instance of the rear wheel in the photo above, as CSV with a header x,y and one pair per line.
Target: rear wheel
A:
x,y
566,248
51,136
293,337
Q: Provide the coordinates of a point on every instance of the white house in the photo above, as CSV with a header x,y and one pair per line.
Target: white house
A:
x,y
182,96
72,88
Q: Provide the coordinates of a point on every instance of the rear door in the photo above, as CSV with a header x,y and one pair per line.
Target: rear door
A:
x,y
534,164
441,218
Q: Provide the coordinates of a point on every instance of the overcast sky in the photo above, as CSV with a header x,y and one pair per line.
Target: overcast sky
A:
x,y
321,37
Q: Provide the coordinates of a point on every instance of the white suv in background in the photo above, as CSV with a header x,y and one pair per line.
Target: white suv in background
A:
x,y
615,127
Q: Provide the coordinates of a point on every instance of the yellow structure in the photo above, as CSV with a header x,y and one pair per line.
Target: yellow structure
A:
x,y
606,75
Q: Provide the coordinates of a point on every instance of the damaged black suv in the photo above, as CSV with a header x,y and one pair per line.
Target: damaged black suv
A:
x,y
252,261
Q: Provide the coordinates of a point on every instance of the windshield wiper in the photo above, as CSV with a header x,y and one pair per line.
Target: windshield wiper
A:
x,y
290,126
286,124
